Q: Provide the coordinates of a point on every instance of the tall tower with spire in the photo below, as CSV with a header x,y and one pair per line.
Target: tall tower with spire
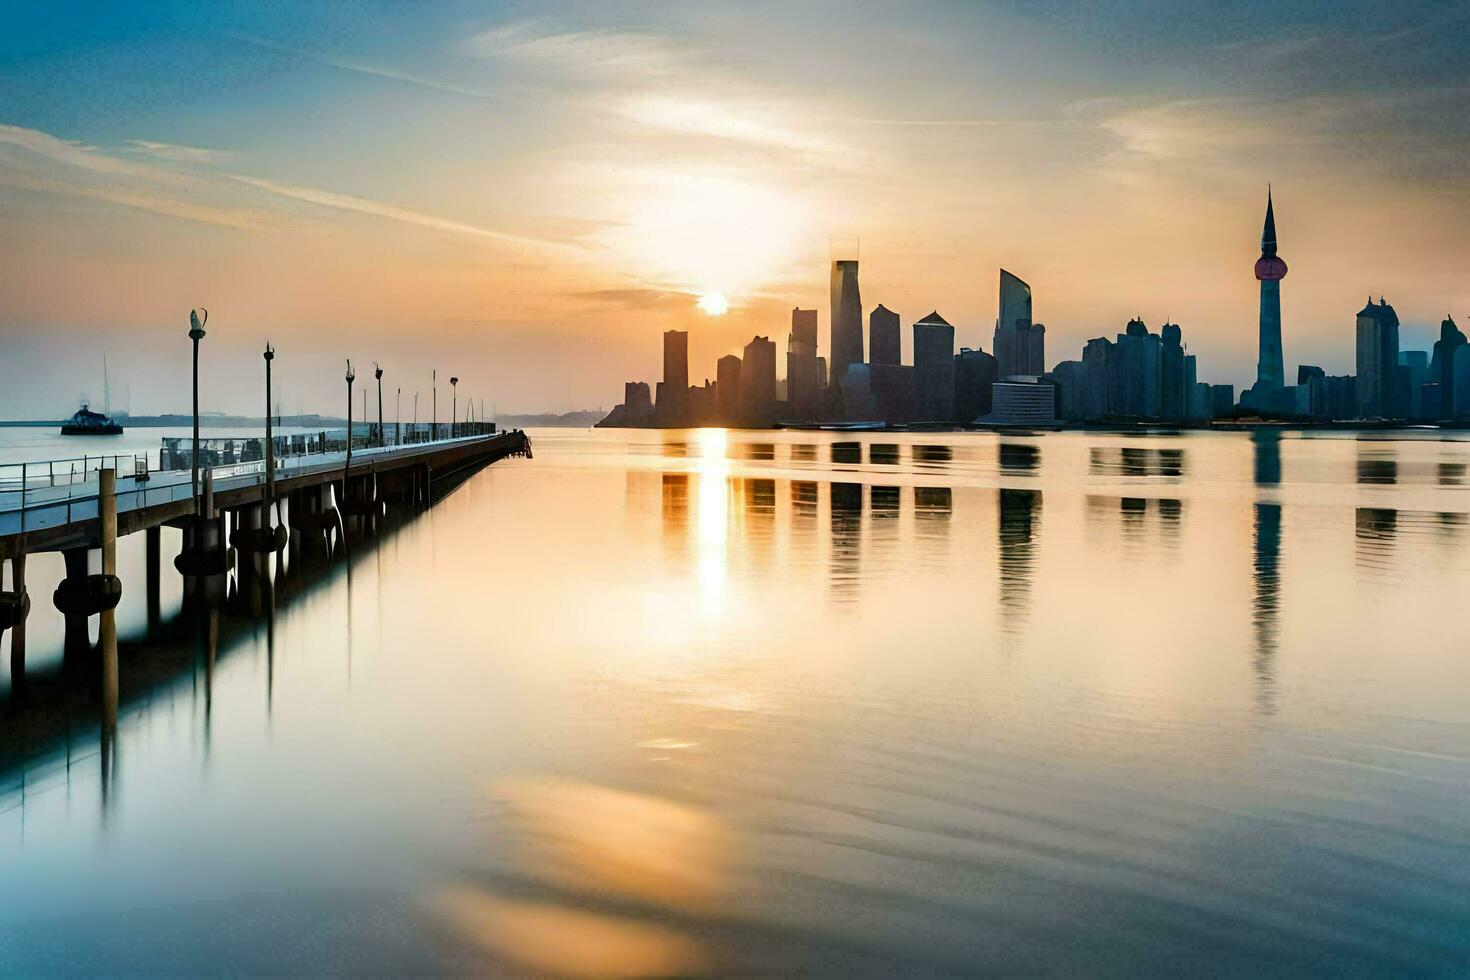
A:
x,y
1270,270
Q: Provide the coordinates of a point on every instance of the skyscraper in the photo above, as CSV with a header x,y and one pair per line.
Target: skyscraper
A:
x,y
673,400
1173,400
727,389
1378,359
758,382
801,366
1270,270
1020,345
847,320
884,345
1441,367
934,369
974,372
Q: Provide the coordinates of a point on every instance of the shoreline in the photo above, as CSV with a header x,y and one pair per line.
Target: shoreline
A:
x,y
1117,428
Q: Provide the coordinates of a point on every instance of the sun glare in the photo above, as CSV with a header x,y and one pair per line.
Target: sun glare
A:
x,y
714,304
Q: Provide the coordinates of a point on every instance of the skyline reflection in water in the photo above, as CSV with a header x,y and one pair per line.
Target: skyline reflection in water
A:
x,y
677,702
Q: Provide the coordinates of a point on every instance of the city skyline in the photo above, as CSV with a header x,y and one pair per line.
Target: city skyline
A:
x,y
1141,377
274,169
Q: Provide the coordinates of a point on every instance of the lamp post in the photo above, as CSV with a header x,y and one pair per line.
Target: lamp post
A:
x,y
196,334
398,418
453,407
347,466
434,422
378,373
270,449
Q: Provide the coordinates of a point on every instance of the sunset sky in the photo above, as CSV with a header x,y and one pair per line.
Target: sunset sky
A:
x,y
527,195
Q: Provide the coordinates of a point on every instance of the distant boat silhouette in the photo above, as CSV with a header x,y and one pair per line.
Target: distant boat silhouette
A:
x,y
88,423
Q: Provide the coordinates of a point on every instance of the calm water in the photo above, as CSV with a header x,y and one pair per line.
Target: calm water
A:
x,y
752,702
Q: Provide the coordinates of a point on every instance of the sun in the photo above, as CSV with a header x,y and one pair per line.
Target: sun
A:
x,y
714,304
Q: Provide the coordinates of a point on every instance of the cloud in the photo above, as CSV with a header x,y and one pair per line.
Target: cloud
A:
x,y
605,52
635,298
180,154
28,159
362,205
75,154
376,71
1408,134
143,200
740,121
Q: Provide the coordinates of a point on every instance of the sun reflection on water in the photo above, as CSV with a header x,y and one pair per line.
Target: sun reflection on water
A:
x,y
713,518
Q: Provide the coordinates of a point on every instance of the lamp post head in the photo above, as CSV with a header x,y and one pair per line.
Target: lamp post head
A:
x,y
350,376
196,323
454,381
270,352
377,371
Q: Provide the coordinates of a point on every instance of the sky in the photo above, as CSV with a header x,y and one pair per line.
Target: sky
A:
x,y
527,195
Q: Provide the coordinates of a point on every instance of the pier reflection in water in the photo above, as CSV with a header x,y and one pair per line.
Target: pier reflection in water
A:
x,y
666,703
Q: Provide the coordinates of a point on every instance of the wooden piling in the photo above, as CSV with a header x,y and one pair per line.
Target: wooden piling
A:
x,y
107,629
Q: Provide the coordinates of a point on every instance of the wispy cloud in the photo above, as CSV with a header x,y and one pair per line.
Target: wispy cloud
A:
x,y
138,199
636,298
391,212
202,196
38,162
180,154
737,121
376,71
583,52
74,154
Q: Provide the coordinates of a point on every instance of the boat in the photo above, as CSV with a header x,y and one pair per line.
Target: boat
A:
x,y
89,423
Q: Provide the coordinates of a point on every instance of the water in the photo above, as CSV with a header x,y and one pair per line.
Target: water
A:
x,y
771,702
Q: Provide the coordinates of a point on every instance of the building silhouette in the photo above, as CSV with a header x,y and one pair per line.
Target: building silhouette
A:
x,y
1441,370
727,389
934,371
1020,345
1414,372
847,320
858,403
801,366
884,343
758,382
1378,359
638,404
1270,270
974,373
892,386
673,392
1328,397
1172,396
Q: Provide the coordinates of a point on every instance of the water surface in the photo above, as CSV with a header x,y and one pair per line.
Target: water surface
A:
x,y
670,702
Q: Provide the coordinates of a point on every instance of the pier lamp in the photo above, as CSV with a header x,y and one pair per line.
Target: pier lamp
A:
x,y
378,373
348,464
453,406
270,451
196,334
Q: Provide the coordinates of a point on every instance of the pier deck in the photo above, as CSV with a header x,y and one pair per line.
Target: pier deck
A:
x,y
38,515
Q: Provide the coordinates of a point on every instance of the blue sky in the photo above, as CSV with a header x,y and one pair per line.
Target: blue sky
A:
x,y
534,192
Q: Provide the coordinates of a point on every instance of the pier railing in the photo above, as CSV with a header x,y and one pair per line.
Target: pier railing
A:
x,y
177,451
34,495
16,477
